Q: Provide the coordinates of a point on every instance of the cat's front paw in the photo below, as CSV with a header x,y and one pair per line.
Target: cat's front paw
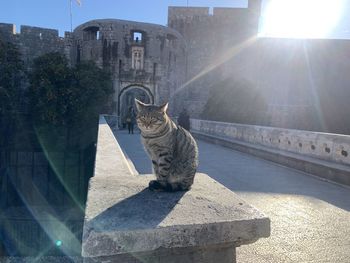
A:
x,y
155,186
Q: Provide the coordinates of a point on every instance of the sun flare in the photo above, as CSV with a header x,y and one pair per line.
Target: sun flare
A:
x,y
301,18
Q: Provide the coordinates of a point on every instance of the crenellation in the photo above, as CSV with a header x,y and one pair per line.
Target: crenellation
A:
x,y
181,12
182,61
7,31
228,13
38,32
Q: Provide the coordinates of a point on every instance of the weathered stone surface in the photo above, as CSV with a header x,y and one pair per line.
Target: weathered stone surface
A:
x,y
123,216
321,154
310,219
110,160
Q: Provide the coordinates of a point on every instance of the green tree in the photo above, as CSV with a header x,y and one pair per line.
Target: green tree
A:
x,y
92,92
50,87
236,101
61,95
11,75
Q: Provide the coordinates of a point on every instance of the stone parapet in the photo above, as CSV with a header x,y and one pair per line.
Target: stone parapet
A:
x,y
321,154
325,146
126,222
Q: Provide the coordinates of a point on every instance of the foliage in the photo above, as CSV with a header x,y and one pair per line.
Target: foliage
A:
x,y
61,95
50,87
93,88
236,101
11,75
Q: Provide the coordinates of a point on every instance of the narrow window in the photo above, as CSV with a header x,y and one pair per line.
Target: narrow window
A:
x,y
120,66
137,37
154,71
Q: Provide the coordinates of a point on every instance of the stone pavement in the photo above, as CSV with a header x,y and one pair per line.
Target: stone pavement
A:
x,y
310,218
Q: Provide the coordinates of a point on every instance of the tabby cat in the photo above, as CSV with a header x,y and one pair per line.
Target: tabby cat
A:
x,y
172,149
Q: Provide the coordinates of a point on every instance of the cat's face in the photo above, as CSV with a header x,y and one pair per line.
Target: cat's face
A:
x,y
150,117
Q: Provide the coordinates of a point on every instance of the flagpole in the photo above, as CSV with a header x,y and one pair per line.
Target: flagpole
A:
x,y
71,16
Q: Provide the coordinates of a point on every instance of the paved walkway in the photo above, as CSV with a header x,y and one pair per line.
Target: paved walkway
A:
x,y
310,218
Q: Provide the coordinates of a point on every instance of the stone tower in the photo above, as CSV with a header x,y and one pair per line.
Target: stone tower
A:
x,y
145,59
207,36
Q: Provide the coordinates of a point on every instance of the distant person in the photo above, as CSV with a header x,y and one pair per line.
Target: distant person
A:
x,y
130,120
184,119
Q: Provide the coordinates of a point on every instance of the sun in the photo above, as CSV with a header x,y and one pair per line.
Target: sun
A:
x,y
300,18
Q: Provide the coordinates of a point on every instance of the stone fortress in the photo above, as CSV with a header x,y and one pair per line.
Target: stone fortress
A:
x,y
199,47
147,61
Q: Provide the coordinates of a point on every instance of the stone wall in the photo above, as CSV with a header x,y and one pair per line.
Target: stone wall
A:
x,y
33,41
210,39
111,43
325,146
42,197
321,154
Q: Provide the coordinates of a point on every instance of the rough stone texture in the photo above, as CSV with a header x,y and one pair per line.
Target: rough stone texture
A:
x,y
110,160
32,41
329,147
210,39
321,154
177,255
164,49
310,218
123,216
324,169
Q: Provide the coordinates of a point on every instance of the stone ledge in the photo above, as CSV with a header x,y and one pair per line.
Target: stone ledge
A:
x,y
335,172
122,216
110,159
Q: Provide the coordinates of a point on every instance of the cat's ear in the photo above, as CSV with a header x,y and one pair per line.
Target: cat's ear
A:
x,y
164,107
139,105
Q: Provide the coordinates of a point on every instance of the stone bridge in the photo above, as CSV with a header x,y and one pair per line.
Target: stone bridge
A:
x,y
297,179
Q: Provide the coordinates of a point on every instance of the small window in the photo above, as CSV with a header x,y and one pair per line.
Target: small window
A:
x,y
91,33
137,36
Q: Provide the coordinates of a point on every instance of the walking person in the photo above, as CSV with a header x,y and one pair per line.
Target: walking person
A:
x,y
130,120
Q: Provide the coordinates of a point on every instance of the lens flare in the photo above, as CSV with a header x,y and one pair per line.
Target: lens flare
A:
x,y
301,18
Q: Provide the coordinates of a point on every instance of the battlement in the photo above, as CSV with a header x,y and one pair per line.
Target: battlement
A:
x,y
42,33
182,11
228,12
254,6
7,30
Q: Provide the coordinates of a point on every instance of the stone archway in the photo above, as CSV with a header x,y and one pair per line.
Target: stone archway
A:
x,y
127,97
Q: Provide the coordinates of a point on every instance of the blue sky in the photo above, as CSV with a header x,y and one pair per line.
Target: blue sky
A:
x,y
55,13
289,17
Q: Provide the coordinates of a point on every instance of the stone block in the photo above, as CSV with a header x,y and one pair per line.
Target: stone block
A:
x,y
124,218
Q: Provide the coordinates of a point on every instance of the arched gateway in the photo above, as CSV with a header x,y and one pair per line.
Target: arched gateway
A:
x,y
127,97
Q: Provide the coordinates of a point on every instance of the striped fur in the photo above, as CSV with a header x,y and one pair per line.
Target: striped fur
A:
x,y
172,149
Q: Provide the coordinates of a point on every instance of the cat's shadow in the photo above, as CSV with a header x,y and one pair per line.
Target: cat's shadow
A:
x,y
144,210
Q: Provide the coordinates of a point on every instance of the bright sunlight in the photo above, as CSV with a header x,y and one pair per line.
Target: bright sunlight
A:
x,y
301,18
